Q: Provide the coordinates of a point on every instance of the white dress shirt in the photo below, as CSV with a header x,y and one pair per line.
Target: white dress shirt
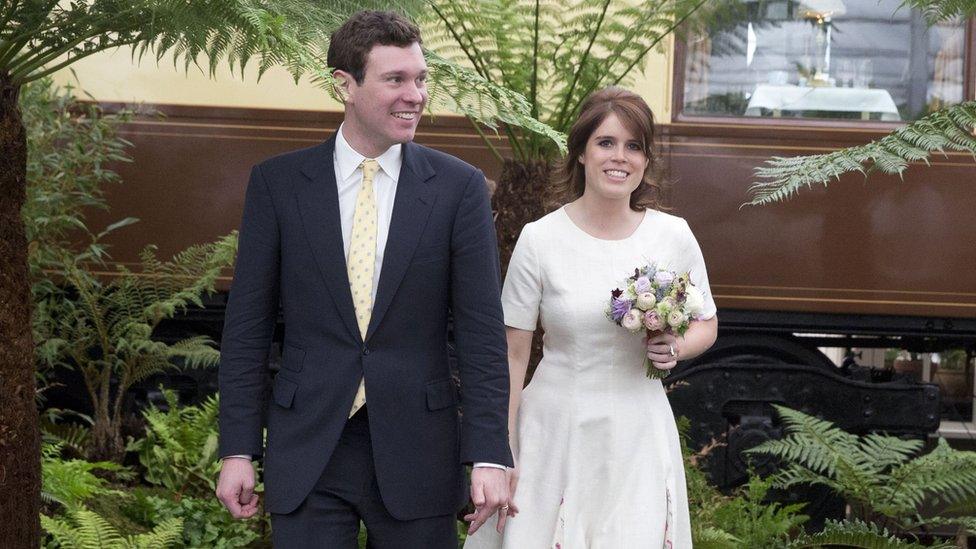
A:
x,y
349,178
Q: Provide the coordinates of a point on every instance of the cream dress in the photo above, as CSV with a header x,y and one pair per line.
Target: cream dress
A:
x,y
600,462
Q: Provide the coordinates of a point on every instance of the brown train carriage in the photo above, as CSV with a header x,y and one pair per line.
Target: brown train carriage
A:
x,y
876,262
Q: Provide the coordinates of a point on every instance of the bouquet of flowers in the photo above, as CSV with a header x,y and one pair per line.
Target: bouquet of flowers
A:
x,y
655,300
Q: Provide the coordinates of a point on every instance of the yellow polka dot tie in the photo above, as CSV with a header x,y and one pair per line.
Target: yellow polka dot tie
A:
x,y
362,258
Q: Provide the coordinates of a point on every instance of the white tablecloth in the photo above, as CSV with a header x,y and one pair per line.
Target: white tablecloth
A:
x,y
796,98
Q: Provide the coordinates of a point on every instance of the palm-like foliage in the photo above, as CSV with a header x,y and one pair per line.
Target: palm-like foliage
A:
x,y
555,53
877,474
942,10
948,129
105,330
40,37
85,529
951,128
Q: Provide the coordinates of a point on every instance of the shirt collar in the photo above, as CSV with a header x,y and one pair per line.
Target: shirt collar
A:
x,y
348,160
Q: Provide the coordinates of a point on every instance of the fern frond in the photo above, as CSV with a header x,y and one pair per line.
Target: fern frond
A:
x,y
71,482
167,533
553,53
964,523
82,528
942,10
855,533
709,537
950,128
945,475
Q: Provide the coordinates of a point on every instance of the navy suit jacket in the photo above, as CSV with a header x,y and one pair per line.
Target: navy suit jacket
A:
x,y
440,258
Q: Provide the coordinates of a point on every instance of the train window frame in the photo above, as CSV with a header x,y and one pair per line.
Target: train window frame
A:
x,y
678,92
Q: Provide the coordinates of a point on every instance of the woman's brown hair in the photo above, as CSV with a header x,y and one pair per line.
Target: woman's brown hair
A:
x,y
636,116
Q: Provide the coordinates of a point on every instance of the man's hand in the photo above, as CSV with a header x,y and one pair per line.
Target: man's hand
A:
x,y
235,488
490,494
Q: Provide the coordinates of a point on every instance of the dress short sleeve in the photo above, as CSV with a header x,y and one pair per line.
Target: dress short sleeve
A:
x,y
699,275
522,291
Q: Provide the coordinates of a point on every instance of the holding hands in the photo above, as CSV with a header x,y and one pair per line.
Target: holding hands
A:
x,y
491,492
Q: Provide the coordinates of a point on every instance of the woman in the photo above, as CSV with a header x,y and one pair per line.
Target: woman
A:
x,y
598,462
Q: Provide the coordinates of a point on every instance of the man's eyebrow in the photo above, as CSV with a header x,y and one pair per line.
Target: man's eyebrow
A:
x,y
401,73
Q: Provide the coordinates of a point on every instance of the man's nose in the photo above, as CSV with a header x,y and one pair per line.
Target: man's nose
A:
x,y
414,93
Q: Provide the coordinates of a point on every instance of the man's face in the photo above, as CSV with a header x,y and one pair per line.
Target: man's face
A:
x,y
385,109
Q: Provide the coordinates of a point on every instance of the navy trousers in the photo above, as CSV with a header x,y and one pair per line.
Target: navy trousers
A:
x,y
346,494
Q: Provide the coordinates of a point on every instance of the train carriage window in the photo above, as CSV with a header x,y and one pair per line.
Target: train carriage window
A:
x,y
826,59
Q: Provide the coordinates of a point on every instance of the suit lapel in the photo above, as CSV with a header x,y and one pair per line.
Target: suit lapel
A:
x,y
318,204
411,208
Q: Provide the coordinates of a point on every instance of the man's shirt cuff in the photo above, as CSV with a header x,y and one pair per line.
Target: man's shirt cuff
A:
x,y
492,465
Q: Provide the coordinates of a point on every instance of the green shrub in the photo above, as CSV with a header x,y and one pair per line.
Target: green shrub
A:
x,y
179,458
206,524
179,451
882,477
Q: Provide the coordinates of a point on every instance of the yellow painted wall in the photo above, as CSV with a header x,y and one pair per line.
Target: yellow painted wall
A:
x,y
114,76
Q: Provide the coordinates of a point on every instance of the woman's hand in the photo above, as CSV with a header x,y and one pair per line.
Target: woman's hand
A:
x,y
512,510
662,351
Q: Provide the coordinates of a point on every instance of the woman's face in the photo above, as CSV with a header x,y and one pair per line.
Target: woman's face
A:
x,y
613,160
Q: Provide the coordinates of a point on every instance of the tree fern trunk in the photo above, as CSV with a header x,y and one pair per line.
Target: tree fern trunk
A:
x,y
106,433
20,468
520,197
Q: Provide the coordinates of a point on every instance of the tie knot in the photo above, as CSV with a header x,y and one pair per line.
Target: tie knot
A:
x,y
370,167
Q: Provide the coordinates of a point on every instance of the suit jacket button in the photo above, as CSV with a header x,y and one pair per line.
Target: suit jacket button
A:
x,y
365,350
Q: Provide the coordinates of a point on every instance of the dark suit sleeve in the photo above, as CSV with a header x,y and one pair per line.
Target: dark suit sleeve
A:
x,y
252,310
479,329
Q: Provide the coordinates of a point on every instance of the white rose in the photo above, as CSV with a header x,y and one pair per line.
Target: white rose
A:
x,y
646,301
675,319
694,300
633,320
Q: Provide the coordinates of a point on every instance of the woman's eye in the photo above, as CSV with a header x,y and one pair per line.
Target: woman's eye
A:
x,y
604,143
635,147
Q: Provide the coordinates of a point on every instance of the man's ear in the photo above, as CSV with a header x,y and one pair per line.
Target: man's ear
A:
x,y
341,84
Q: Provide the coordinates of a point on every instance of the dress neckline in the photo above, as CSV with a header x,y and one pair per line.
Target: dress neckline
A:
x,y
598,239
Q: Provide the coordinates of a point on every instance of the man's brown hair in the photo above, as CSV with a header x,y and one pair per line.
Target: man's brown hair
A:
x,y
351,43
636,116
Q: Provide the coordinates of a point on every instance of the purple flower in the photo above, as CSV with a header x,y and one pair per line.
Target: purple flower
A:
x,y
642,285
663,278
619,308
653,321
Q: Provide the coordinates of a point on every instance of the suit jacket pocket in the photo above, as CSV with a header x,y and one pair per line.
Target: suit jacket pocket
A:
x,y
441,394
283,391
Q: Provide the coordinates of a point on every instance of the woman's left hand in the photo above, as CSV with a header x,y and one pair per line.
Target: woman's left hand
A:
x,y
662,350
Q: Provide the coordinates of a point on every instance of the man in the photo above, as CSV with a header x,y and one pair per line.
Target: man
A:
x,y
366,242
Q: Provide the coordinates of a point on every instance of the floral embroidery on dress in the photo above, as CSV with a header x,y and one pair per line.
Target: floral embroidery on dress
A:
x,y
668,522
558,537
